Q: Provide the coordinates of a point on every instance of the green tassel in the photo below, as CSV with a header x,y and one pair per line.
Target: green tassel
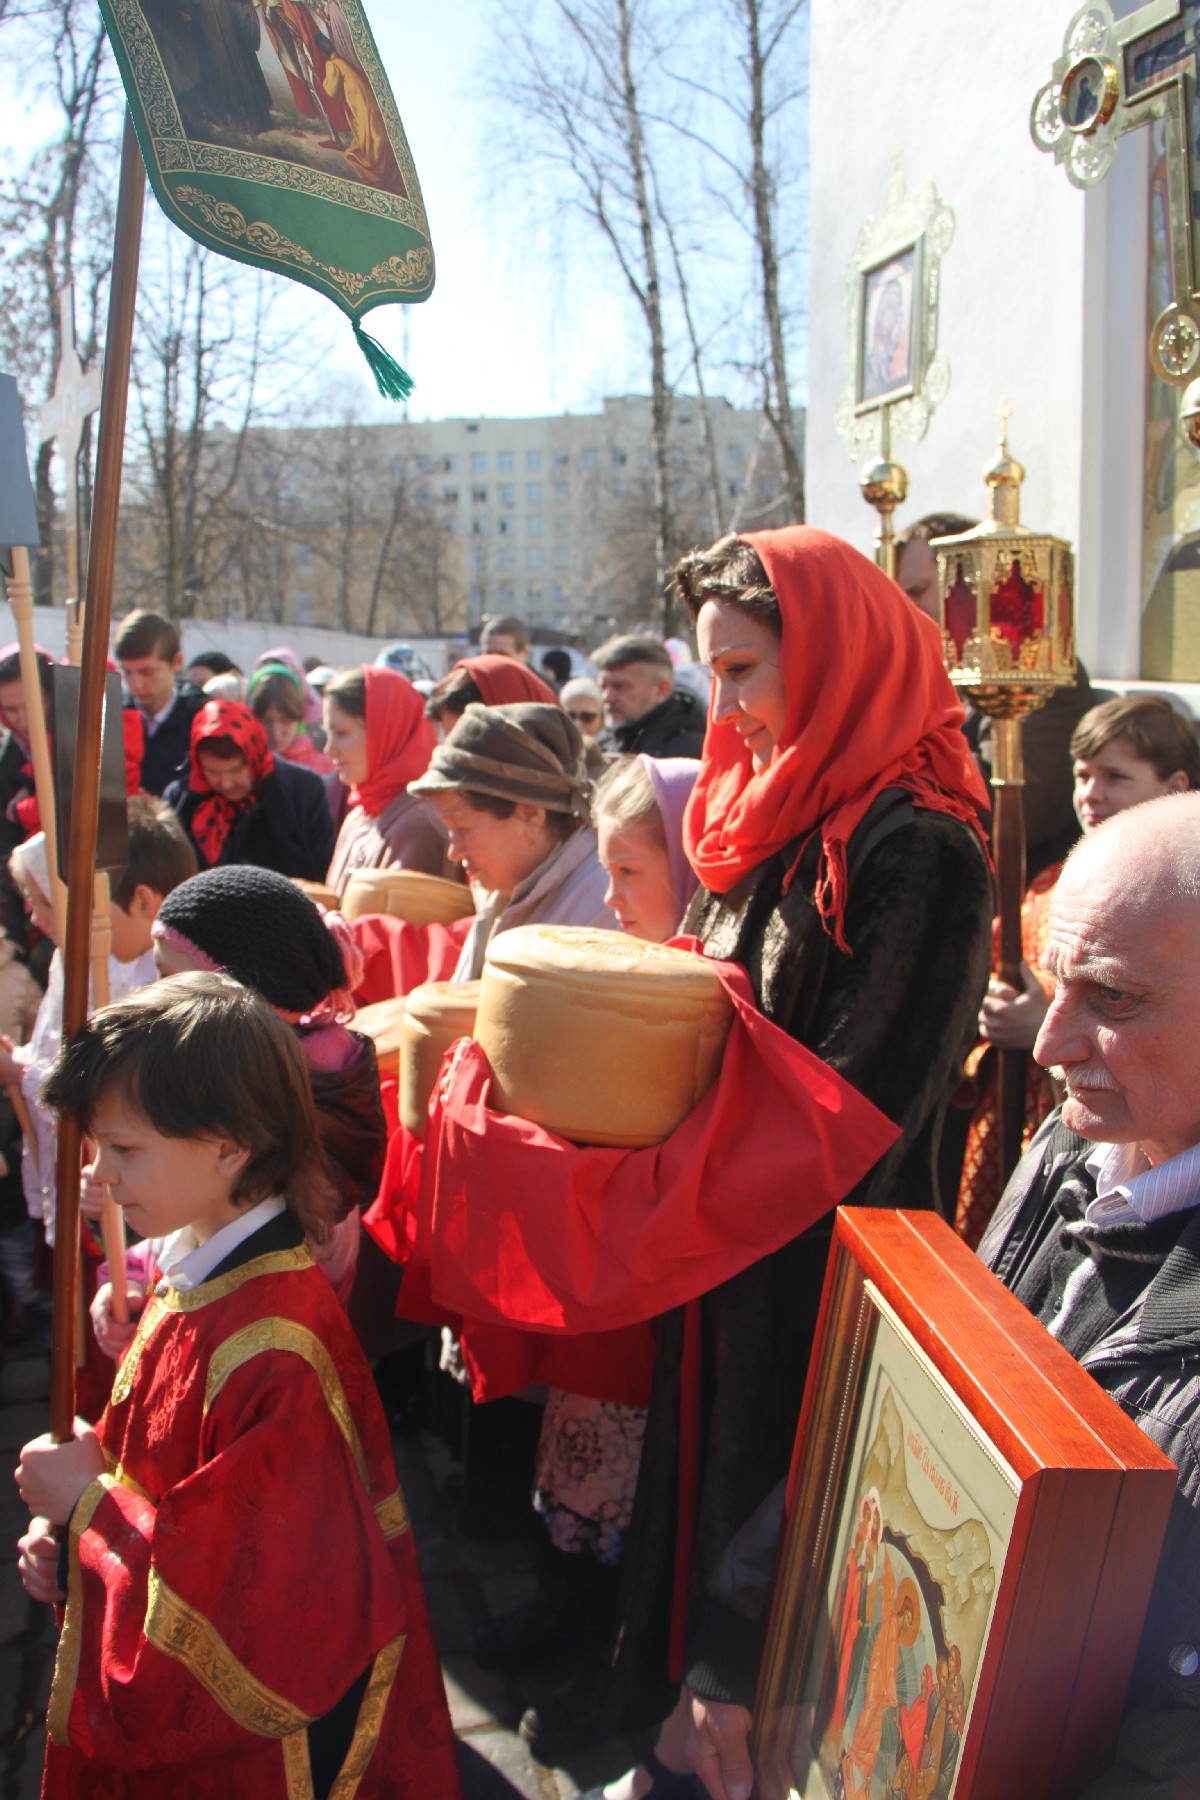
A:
x,y
393,382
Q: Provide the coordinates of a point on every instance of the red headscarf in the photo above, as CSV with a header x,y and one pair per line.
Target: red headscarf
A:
x,y
400,739
505,682
869,706
215,817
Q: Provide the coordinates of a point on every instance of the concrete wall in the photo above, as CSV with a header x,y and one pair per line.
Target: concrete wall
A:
x,y
1043,288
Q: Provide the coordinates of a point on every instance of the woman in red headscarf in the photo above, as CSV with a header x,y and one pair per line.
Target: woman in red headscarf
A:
x,y
834,831
241,804
380,740
487,681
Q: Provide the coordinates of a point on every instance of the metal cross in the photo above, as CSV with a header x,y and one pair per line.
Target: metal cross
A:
x,y
1113,76
76,396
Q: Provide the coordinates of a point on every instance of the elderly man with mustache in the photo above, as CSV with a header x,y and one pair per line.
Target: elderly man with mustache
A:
x,y
1098,1232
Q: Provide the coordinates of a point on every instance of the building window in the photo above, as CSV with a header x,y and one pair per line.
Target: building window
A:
x,y
303,558
504,590
478,461
533,459
533,557
479,495
618,487
477,595
424,465
562,556
560,592
304,607
533,493
508,494
504,557
562,493
562,521
424,493
590,459
478,527
503,525
504,460
450,496
533,525
561,459
734,455
450,463
618,457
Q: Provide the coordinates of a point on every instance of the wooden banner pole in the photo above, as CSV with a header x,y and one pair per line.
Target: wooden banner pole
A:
x,y
20,600
112,1223
85,806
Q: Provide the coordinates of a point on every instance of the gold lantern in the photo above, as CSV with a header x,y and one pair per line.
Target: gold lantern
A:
x,y
1006,607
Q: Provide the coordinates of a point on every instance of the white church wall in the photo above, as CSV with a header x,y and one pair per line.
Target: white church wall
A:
x,y
1043,288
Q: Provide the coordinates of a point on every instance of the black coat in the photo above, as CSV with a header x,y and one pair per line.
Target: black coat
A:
x,y
675,727
1148,1359
165,758
287,827
895,1018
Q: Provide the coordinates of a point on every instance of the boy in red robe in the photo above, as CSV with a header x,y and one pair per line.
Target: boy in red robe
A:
x,y
244,1613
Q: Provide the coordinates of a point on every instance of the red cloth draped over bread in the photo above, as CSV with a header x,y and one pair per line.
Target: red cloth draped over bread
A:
x,y
869,706
505,682
217,722
400,740
506,1225
397,956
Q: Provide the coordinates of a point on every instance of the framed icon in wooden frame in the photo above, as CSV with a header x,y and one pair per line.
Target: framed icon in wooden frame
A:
x,y
971,1537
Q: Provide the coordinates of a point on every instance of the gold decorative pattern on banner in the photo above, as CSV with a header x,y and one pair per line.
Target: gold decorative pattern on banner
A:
x,y
410,270
122,1386
70,1643
297,1766
174,150
285,1334
276,1262
181,1632
392,1514
370,1721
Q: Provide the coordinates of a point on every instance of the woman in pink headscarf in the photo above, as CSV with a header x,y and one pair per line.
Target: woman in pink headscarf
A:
x,y
380,741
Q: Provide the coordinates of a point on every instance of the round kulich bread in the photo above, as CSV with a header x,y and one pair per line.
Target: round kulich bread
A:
x,y
434,1016
317,890
599,1037
406,894
383,1024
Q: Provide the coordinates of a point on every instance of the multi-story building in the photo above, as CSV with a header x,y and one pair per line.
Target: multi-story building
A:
x,y
421,527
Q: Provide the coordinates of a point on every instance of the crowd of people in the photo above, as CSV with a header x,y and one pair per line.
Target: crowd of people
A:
x,y
807,804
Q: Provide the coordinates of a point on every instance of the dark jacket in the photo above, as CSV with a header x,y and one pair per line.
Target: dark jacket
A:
x,y
1148,1359
675,727
165,759
351,1126
287,826
895,1018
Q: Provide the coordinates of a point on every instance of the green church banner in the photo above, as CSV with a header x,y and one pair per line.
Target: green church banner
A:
x,y
270,133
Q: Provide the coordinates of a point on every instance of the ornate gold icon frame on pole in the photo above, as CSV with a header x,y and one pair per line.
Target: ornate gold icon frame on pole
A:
x,y
895,374
1113,76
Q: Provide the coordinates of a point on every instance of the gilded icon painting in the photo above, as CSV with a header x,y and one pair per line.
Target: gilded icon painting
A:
x,y
890,351
880,1699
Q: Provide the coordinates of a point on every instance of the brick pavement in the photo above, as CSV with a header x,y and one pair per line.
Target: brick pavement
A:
x,y
467,1582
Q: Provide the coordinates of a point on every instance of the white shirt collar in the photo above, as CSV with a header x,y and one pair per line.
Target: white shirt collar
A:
x,y
154,720
1129,1191
184,1264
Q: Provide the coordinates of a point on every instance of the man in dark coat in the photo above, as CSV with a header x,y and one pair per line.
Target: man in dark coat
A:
x,y
644,712
147,649
1098,1232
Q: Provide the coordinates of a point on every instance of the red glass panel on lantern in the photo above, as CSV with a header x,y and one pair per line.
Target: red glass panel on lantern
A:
x,y
962,611
1017,609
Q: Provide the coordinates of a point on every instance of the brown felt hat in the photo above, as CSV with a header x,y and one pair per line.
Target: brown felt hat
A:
x,y
526,753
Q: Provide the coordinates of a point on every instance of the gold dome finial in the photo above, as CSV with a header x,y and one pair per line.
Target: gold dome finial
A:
x,y
1004,477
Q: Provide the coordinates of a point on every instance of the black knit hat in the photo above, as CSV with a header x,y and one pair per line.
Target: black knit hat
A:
x,y
261,929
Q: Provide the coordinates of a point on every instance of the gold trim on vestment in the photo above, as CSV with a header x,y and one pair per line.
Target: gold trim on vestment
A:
x,y
370,1721
181,1632
70,1643
152,1312
122,1478
297,1766
285,1334
275,1262
392,1514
